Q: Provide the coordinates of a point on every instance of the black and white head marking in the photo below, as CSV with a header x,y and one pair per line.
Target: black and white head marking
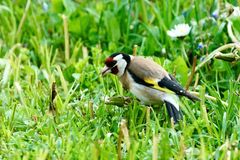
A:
x,y
122,61
116,64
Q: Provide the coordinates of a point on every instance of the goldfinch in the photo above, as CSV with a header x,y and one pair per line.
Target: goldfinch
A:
x,y
148,81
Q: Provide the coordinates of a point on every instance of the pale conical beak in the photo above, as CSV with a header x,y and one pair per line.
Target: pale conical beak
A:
x,y
105,70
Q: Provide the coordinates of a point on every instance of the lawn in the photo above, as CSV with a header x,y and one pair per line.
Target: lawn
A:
x,y
54,103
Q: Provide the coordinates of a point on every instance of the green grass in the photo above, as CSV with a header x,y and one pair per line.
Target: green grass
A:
x,y
33,55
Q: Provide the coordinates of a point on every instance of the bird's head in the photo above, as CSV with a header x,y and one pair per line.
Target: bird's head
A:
x,y
116,64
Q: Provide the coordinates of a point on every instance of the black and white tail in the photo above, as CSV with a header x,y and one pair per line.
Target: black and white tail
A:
x,y
173,111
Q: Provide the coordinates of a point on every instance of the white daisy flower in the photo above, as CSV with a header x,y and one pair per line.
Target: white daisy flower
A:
x,y
180,30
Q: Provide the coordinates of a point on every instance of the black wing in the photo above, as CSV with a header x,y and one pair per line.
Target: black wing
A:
x,y
174,86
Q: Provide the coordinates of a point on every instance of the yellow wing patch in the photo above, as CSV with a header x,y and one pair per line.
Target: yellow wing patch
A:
x,y
156,86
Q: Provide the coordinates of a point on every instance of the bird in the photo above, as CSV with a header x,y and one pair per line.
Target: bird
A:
x,y
148,81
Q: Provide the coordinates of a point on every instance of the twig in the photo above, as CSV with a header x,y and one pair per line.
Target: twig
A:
x,y
192,72
135,50
208,97
119,101
66,38
155,147
230,57
148,120
124,129
119,148
213,54
91,109
123,135
52,107
230,32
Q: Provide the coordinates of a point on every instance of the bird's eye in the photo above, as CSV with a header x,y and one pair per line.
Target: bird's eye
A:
x,y
114,70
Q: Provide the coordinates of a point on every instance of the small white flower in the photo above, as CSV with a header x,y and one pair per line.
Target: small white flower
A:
x,y
180,30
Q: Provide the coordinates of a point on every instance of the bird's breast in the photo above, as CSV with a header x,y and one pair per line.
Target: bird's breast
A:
x,y
145,94
124,79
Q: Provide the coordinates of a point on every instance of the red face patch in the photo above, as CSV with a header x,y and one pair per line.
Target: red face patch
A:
x,y
109,62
